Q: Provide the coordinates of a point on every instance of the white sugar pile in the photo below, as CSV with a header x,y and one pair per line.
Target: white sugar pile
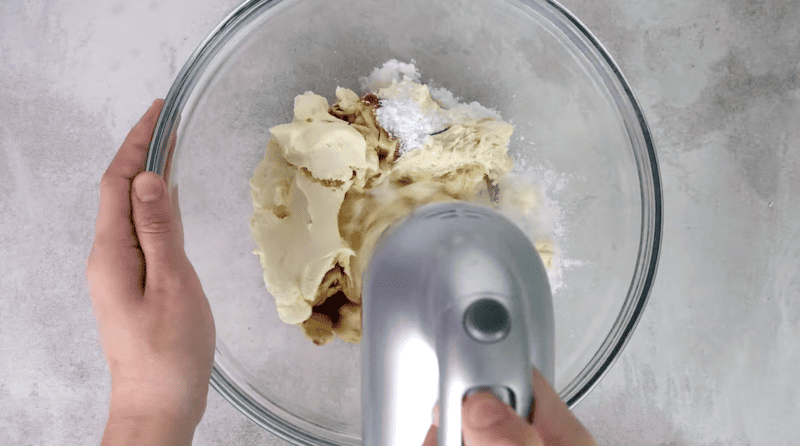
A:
x,y
407,119
391,72
409,115
548,218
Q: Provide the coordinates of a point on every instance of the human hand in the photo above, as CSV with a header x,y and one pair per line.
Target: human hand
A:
x,y
487,421
154,319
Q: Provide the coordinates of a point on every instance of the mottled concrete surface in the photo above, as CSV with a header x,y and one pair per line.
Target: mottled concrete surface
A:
x,y
715,358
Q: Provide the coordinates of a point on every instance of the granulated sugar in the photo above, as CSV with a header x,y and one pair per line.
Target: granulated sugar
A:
x,y
392,71
547,220
408,119
409,114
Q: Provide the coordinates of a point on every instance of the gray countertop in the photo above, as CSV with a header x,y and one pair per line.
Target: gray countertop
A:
x,y
715,358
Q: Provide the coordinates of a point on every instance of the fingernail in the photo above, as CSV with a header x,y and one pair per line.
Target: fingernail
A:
x,y
149,188
485,410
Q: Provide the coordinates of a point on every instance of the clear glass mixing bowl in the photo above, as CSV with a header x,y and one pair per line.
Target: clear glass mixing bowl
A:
x,y
572,111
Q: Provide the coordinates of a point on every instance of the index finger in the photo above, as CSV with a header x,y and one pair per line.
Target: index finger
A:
x,y
114,223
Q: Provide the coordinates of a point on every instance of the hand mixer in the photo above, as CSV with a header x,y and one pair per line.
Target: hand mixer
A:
x,y
455,299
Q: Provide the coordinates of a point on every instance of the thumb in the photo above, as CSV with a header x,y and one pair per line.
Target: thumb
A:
x,y
489,421
157,228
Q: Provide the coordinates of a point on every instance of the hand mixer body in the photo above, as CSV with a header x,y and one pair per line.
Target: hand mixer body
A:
x,y
455,299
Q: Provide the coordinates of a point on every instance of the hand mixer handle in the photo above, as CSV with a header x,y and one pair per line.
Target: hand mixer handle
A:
x,y
484,346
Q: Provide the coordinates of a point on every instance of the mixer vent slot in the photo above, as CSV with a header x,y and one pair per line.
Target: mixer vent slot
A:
x,y
450,213
473,214
453,213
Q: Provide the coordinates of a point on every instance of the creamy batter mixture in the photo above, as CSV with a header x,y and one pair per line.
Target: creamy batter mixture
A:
x,y
338,175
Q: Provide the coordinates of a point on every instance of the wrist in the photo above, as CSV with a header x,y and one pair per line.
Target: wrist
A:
x,y
148,430
148,415
180,405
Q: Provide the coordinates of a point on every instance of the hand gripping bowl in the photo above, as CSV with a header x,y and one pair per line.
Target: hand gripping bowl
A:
x,y
572,111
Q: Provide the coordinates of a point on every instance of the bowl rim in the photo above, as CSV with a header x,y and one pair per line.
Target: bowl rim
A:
x,y
163,143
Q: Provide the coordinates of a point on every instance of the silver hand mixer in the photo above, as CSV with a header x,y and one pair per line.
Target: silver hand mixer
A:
x,y
455,300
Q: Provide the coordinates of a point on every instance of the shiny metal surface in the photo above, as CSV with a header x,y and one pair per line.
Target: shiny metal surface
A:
x,y
427,274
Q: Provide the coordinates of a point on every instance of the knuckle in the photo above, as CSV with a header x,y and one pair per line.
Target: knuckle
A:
x,y
94,266
139,136
167,285
154,222
94,276
108,180
154,227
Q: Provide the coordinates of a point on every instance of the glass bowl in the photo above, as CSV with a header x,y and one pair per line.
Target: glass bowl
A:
x,y
572,110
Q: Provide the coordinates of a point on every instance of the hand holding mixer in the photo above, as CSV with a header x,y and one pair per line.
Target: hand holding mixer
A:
x,y
455,299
